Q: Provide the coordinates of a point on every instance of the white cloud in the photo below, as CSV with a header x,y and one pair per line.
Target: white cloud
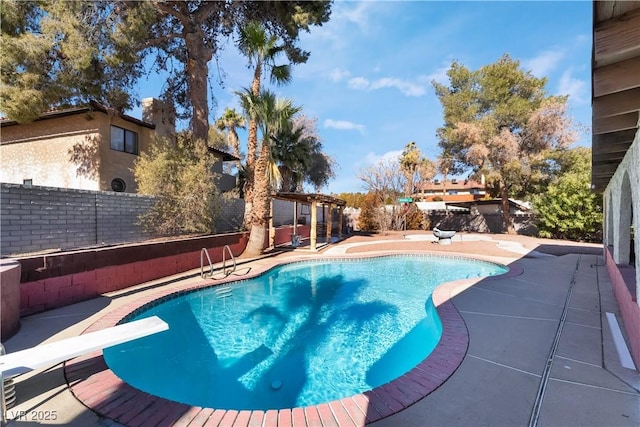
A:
x,y
439,75
343,125
338,74
573,87
542,64
389,156
357,15
358,83
406,87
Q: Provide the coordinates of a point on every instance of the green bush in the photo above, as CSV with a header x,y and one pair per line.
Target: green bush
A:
x,y
181,177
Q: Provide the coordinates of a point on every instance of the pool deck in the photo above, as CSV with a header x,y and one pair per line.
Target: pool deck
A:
x,y
533,347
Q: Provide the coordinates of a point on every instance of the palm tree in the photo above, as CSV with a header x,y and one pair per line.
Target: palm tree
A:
x,y
271,114
292,151
409,162
229,122
262,50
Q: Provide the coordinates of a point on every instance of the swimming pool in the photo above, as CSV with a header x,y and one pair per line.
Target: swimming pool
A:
x,y
302,334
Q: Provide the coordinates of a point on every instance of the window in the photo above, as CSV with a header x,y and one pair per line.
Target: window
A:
x,y
452,191
27,182
124,140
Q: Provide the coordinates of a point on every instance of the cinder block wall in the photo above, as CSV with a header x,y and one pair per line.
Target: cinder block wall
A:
x,y
41,218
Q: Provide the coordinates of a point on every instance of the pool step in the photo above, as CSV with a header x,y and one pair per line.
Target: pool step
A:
x,y
223,292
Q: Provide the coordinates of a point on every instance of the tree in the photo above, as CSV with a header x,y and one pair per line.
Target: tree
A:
x,y
229,122
499,121
262,50
444,165
568,209
386,181
297,150
108,41
180,176
369,218
409,161
354,200
59,53
416,168
271,114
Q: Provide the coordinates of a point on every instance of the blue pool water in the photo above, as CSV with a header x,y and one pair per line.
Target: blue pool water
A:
x,y
301,334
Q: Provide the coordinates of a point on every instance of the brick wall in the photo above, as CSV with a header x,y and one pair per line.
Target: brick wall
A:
x,y
45,218
56,280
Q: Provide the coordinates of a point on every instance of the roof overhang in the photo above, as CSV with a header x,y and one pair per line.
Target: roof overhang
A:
x,y
83,109
226,157
615,81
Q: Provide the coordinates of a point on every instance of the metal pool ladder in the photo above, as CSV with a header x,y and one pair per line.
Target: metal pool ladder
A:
x,y
225,272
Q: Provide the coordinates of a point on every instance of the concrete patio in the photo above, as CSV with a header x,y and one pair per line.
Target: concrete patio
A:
x,y
541,350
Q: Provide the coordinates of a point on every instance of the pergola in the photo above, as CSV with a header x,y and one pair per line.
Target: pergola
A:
x,y
315,201
615,85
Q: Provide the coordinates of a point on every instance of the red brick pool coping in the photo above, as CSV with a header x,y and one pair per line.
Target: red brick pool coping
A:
x,y
97,387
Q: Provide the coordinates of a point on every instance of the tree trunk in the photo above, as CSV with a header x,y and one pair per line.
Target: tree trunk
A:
x,y
252,147
249,170
261,204
235,144
198,56
506,214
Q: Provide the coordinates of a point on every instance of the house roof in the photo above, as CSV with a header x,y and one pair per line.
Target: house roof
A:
x,y
93,106
96,106
226,157
465,184
615,81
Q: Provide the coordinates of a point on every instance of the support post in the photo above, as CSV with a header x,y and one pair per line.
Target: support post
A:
x,y
314,225
340,219
272,230
329,222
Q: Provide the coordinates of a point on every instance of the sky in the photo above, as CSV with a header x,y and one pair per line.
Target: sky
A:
x,y
368,81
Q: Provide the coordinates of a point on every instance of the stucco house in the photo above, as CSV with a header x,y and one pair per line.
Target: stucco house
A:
x,y
616,150
87,147
454,190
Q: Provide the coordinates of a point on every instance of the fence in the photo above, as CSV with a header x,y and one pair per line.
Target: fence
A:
x,y
45,218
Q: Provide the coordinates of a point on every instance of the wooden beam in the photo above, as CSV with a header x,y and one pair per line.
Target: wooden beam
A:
x,y
616,77
609,157
617,123
612,142
605,10
617,39
617,103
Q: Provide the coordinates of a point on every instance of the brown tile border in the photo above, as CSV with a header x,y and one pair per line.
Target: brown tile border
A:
x,y
98,388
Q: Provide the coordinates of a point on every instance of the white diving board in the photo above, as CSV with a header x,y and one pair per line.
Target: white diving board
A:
x,y
23,361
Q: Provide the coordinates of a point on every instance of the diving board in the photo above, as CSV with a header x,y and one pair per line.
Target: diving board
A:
x,y
23,361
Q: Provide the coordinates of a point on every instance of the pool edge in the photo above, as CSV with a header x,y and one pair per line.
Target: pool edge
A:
x,y
99,389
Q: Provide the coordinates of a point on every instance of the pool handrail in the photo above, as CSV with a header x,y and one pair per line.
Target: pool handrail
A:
x,y
226,249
